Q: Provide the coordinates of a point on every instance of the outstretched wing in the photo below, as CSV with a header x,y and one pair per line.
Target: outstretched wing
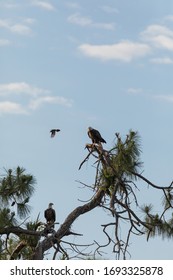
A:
x,y
53,132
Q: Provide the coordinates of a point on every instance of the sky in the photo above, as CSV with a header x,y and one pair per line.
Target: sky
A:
x,y
74,64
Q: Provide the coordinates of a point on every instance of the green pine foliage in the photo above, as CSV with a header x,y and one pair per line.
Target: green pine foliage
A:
x,y
123,163
16,188
117,171
125,155
159,225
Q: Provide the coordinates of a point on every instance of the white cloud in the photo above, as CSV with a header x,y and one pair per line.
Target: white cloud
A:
x,y
162,60
21,88
29,20
155,30
79,20
11,108
4,42
34,97
44,5
153,39
18,28
168,98
87,21
124,51
134,90
168,18
160,36
72,5
36,103
164,42
4,23
109,9
106,26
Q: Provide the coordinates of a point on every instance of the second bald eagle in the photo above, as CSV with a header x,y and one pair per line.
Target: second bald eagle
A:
x,y
95,136
50,215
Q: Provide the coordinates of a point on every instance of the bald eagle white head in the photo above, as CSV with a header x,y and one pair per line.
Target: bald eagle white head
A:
x,y
95,136
50,215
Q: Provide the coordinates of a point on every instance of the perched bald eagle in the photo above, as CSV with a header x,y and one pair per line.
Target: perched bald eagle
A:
x,y
50,215
95,136
53,132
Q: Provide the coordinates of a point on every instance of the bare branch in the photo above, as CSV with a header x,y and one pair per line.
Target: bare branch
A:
x,y
151,184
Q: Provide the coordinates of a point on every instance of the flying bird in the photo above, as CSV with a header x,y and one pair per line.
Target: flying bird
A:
x,y
95,136
53,132
50,215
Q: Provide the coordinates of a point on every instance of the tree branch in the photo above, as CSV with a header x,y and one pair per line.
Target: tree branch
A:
x,y
65,227
150,183
18,231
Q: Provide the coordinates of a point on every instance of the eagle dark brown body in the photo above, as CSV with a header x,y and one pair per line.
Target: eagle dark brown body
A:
x,y
53,132
95,136
50,215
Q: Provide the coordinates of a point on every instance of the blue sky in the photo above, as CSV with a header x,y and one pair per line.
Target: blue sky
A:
x,y
73,64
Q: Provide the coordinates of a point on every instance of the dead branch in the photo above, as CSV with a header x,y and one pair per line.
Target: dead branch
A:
x,y
18,249
151,184
85,159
